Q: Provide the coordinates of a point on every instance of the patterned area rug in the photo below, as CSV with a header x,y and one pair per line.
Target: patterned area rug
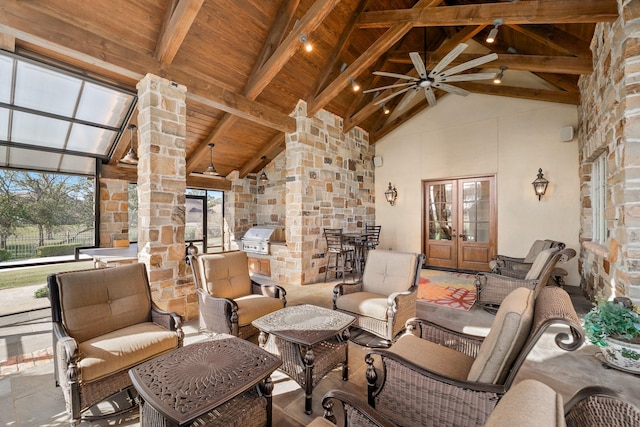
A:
x,y
447,289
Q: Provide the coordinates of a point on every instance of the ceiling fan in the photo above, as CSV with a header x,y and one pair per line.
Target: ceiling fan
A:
x,y
438,78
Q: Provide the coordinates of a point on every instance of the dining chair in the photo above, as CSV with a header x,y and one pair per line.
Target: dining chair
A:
x,y
373,238
340,256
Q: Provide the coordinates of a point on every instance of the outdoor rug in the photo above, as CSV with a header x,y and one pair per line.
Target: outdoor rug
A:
x,y
447,289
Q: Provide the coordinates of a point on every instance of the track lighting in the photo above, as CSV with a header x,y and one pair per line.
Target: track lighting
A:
x,y
211,170
494,31
305,41
131,157
385,109
498,78
354,85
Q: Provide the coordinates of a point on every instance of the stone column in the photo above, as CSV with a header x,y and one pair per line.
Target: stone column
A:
x,y
161,193
114,210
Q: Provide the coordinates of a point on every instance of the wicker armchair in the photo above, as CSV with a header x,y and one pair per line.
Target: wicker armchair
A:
x,y
504,262
352,412
385,298
104,322
433,376
533,404
492,288
228,300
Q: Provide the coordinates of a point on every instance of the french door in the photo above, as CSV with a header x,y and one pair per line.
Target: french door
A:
x,y
459,223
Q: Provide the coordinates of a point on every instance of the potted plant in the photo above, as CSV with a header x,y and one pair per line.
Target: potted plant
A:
x,y
614,326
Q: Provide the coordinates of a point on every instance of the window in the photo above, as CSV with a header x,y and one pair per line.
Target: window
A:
x,y
598,198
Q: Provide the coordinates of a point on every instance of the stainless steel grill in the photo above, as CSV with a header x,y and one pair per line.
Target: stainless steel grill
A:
x,y
258,239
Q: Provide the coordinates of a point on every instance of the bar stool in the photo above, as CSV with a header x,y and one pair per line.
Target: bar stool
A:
x,y
340,257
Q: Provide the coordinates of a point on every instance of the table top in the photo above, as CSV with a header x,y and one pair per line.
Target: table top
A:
x,y
304,324
194,379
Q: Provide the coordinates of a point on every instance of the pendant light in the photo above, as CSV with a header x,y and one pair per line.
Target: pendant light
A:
x,y
131,158
263,176
211,170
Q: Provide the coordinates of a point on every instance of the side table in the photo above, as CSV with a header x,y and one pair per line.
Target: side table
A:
x,y
310,340
222,381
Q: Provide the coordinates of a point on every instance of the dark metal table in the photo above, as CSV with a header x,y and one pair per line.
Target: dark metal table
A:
x,y
222,381
310,340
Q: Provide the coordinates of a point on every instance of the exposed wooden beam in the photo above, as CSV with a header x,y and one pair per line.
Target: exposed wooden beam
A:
x,y
176,29
7,42
524,12
374,137
556,39
381,45
130,174
522,92
268,149
537,63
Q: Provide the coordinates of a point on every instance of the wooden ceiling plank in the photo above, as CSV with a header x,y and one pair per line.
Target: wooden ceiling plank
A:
x,y
374,137
379,47
560,81
556,39
176,29
339,49
561,97
266,150
291,44
525,12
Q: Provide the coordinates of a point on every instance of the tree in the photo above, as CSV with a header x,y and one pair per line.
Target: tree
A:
x,y
11,206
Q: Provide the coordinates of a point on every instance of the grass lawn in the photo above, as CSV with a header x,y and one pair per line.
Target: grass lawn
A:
x,y
27,276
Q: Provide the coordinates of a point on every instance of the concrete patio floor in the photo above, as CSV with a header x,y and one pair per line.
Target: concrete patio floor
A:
x,y
28,396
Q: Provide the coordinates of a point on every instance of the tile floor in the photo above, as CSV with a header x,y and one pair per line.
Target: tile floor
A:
x,y
28,396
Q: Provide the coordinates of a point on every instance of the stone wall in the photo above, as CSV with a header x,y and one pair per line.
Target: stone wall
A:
x,y
114,210
610,124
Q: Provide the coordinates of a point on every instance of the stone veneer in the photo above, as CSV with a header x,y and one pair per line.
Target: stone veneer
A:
x,y
114,214
161,194
610,123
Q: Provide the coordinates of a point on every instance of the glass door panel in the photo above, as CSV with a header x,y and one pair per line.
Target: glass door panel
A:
x,y
440,209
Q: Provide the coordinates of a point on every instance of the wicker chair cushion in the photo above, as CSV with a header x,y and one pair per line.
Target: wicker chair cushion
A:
x,y
365,304
251,307
96,302
529,403
537,247
225,275
123,349
508,333
433,357
386,272
539,263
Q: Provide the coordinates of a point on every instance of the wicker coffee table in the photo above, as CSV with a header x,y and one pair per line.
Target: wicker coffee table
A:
x,y
310,340
214,382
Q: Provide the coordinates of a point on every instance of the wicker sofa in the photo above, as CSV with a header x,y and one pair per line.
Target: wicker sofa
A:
x,y
104,323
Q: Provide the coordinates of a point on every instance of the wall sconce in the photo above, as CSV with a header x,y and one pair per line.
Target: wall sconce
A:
x,y
391,194
305,41
354,85
494,31
540,184
498,78
131,157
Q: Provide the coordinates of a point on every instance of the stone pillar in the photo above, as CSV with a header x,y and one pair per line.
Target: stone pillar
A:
x,y
239,209
114,210
161,193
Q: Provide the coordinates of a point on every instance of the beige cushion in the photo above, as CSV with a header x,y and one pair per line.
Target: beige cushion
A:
x,y
529,403
321,422
96,302
251,307
538,265
386,272
433,357
535,249
225,275
123,349
364,303
509,332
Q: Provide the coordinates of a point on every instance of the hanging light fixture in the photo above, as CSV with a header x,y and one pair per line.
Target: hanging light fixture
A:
x,y
263,178
494,31
540,184
211,170
498,78
131,158
354,85
391,194
305,41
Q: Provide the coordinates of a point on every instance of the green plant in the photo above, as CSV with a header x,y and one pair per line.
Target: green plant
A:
x,y
42,292
617,319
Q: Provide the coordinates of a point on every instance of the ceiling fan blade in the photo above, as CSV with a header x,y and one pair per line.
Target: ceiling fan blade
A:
x,y
386,98
448,58
394,75
470,64
466,77
451,89
388,87
431,97
418,64
406,100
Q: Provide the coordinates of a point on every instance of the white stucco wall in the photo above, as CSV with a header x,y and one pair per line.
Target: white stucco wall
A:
x,y
482,134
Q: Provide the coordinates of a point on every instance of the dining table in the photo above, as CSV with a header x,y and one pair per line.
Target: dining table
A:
x,y
359,242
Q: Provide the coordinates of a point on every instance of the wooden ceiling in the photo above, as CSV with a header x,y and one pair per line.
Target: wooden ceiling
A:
x,y
245,70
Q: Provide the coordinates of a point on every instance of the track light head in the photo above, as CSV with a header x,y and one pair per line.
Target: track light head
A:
x,y
305,41
494,31
354,85
498,78
385,109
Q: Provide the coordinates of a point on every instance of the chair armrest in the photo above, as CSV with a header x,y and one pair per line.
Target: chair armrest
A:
x,y
513,273
594,404
168,320
493,288
67,346
459,341
353,409
273,291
